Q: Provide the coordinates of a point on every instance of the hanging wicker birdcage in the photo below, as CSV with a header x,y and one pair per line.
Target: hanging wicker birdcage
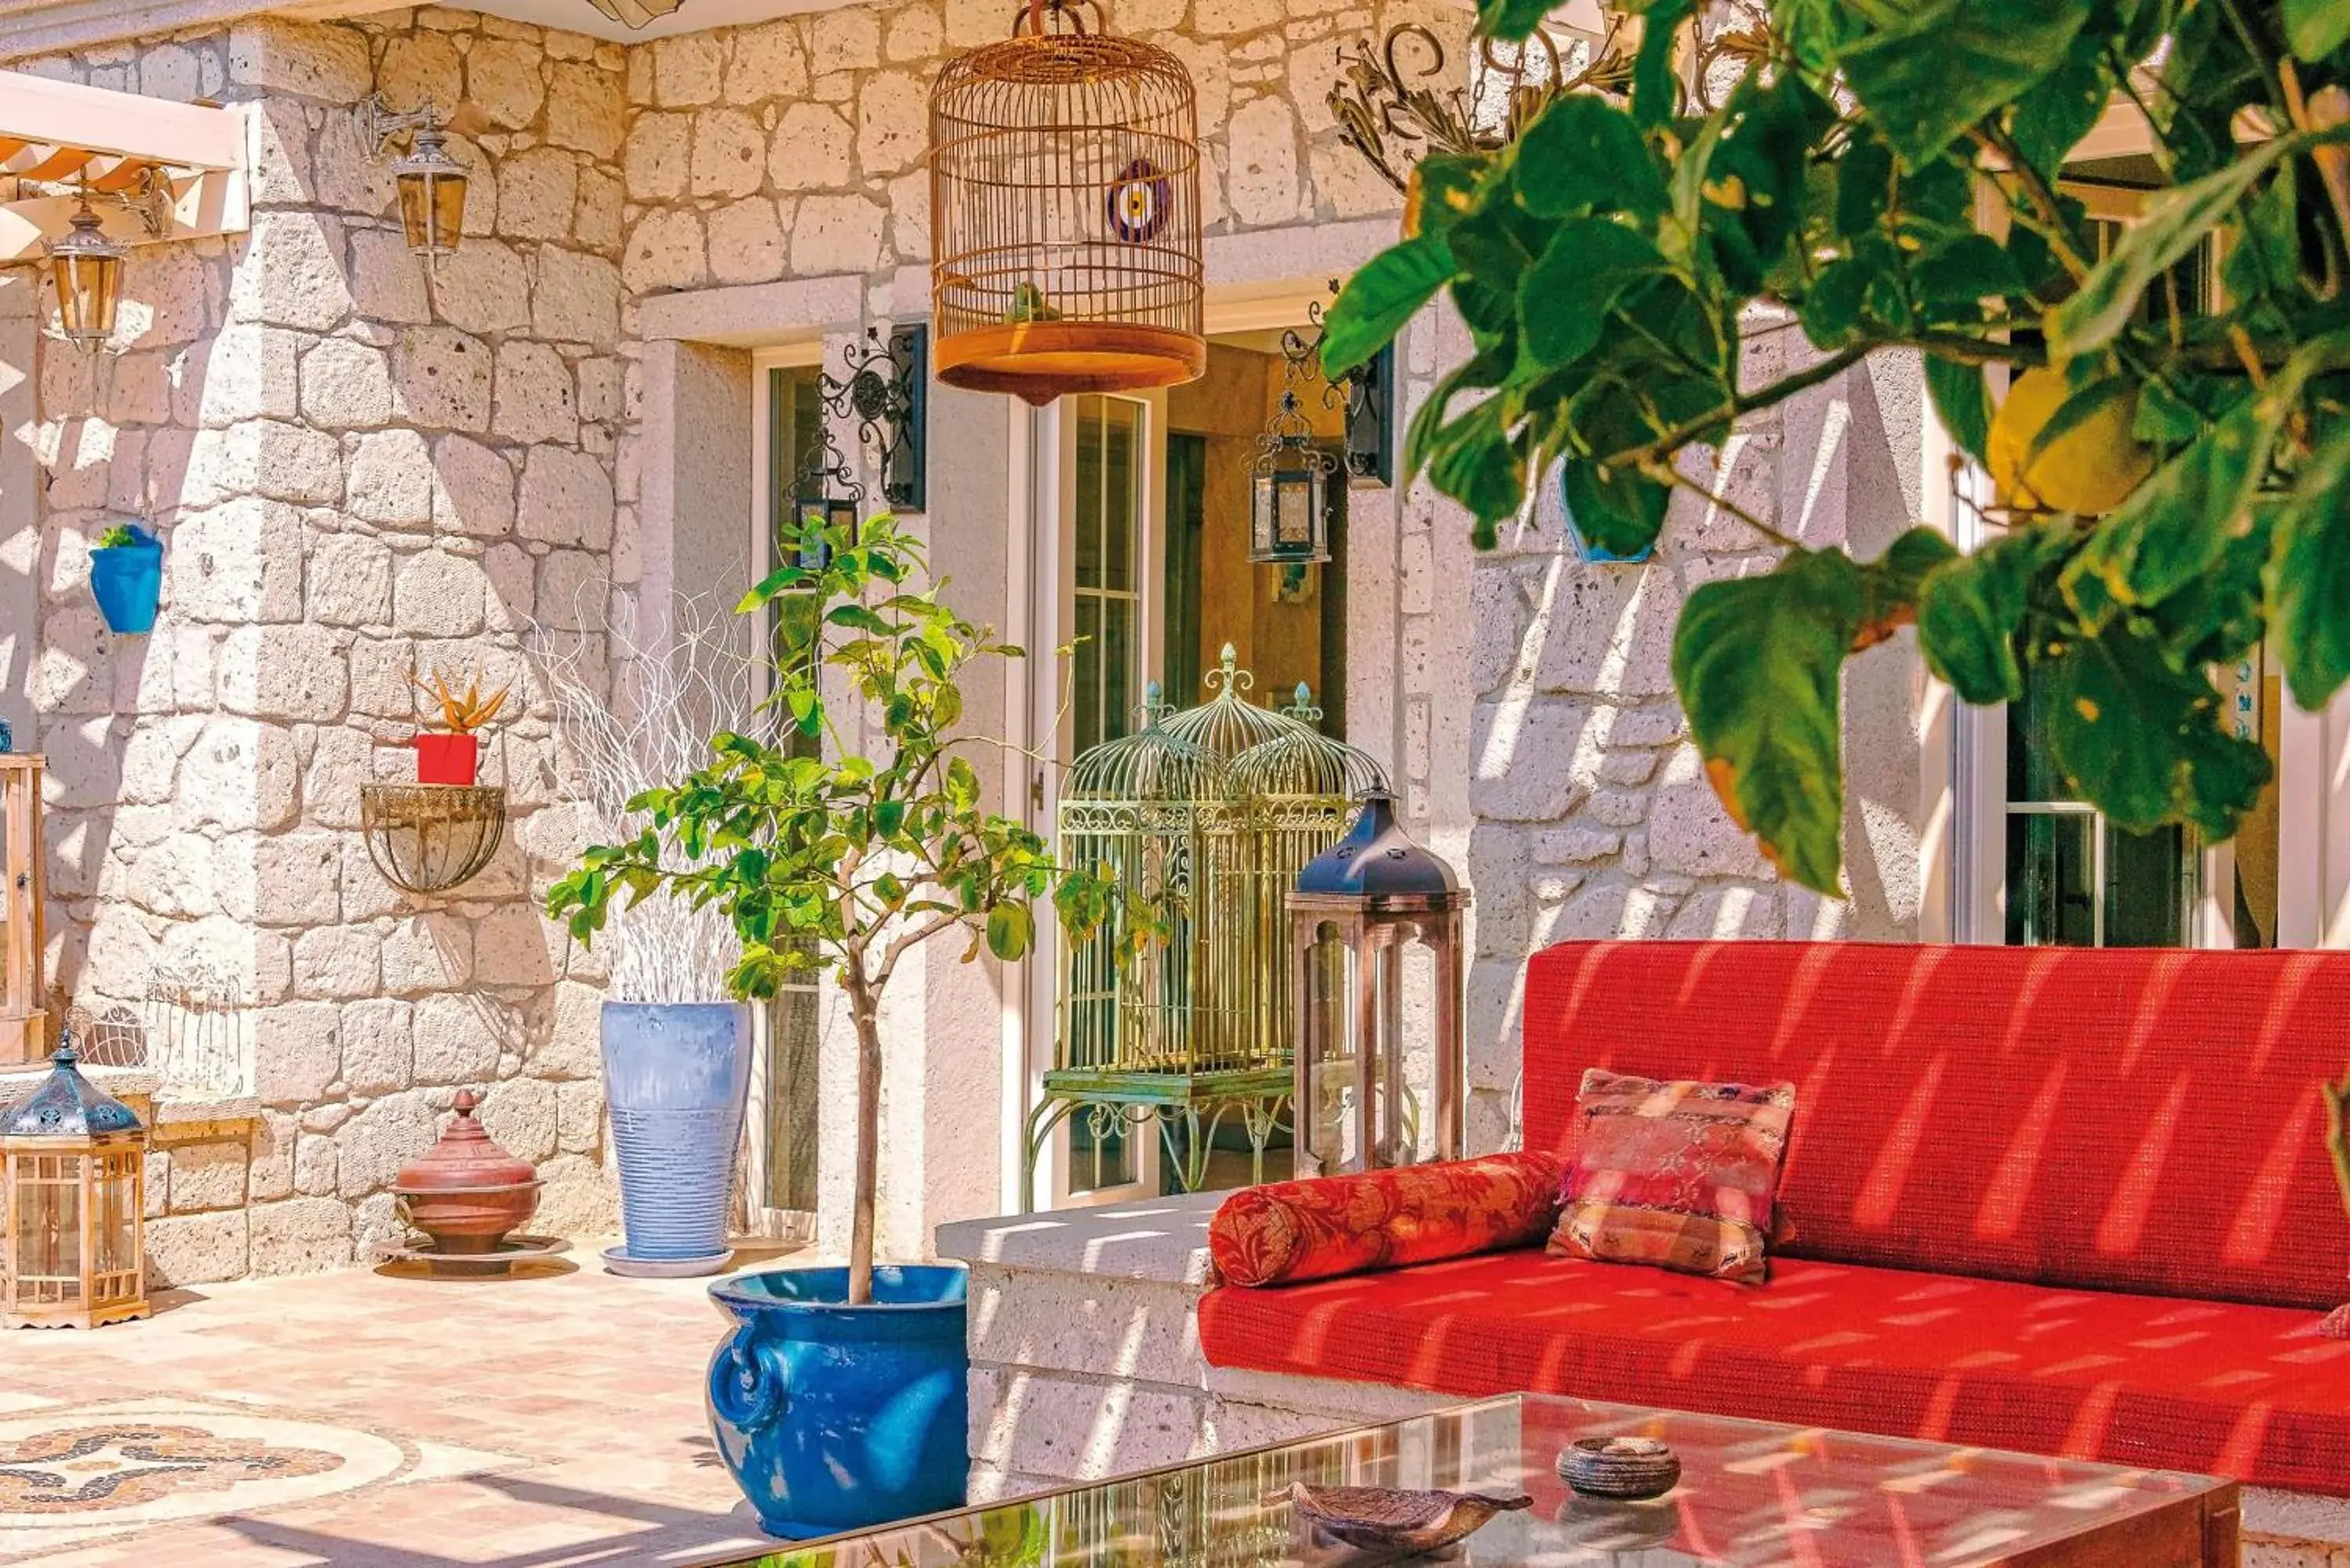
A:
x,y
1064,213
1211,812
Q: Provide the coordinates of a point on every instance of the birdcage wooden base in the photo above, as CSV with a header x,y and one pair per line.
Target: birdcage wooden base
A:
x,y
1042,360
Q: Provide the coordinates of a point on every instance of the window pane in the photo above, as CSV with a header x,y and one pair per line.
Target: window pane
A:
x,y
1117,667
2031,774
1089,499
1098,1159
2050,873
1085,661
2146,889
1122,508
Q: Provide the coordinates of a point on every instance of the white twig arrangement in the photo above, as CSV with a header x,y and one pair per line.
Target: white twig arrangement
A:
x,y
632,709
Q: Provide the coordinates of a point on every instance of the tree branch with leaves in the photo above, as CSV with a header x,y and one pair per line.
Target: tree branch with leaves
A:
x,y
1891,177
846,862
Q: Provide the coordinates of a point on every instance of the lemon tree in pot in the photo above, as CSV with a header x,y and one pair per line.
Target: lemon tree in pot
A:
x,y
838,1400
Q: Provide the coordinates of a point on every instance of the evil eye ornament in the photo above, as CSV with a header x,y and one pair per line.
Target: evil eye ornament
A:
x,y
1138,201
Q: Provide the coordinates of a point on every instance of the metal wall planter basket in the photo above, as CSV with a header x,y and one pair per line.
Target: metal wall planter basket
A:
x,y
1213,810
1065,213
432,839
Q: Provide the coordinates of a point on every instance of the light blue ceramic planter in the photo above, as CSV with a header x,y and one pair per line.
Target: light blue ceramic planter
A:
x,y
676,1075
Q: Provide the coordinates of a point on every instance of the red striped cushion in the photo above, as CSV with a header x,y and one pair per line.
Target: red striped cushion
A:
x,y
1289,1231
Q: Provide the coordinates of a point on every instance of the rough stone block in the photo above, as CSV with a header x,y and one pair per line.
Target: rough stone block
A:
x,y
811,149
457,1039
291,273
197,1248
286,672
207,1175
379,1139
390,480
1050,1424
300,1236
297,1051
474,493
567,499
1078,1323
438,594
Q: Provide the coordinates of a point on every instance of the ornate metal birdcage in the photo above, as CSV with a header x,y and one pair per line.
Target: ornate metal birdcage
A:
x,y
1199,1025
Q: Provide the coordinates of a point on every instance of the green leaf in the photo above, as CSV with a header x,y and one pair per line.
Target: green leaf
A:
x,y
1946,65
1379,299
2052,116
2309,575
1621,513
1656,90
1584,153
2315,28
2142,741
1757,661
1962,397
1473,461
1564,300
1510,20
1970,268
2174,222
1971,613
1010,930
1891,584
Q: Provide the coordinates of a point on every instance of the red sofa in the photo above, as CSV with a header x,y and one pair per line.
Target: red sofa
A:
x,y
2073,1202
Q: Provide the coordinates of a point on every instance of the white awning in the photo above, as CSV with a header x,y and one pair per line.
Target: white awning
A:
x,y
155,169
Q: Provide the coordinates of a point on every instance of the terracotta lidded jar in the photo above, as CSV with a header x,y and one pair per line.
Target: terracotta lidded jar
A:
x,y
465,1192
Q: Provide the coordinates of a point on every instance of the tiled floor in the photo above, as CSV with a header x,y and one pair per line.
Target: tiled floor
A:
x,y
377,1422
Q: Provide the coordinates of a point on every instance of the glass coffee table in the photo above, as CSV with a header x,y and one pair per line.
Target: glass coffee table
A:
x,y
1753,1494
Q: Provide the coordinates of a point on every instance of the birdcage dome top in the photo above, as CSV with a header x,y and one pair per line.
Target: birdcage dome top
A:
x,y
1304,760
1228,723
1152,764
994,85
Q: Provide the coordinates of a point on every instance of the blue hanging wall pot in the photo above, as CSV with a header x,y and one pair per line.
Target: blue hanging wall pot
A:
x,y
128,580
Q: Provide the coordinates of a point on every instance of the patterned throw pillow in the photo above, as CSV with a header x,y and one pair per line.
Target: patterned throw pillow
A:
x,y
1287,1231
1682,1176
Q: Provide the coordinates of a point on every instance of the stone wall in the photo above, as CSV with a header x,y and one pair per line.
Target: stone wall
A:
x,y
362,471
1545,751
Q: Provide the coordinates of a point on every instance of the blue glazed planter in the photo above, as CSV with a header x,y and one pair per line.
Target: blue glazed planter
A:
x,y
676,1075
128,580
837,1418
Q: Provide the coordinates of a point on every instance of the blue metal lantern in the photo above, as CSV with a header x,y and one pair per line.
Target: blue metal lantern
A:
x,y
73,1188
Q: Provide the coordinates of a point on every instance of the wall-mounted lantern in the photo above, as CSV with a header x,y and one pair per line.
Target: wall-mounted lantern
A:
x,y
1290,479
430,182
1361,1078
1370,421
87,269
826,499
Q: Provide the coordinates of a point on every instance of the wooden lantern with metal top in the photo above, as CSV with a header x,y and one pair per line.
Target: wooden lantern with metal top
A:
x,y
73,1186
1356,909
1064,213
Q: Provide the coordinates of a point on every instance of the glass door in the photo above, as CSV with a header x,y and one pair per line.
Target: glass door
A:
x,y
1096,644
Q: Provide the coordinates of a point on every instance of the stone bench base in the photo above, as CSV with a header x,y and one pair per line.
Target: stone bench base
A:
x,y
1085,1364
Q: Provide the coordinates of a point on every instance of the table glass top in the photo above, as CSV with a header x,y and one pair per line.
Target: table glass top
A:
x,y
1753,1495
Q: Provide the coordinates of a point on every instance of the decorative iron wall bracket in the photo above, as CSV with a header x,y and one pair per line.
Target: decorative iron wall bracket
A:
x,y
887,393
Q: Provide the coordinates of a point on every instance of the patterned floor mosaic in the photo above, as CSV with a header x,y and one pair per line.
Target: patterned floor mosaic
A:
x,y
366,1420
69,1474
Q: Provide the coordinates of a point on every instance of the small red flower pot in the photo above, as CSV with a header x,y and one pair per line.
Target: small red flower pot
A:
x,y
444,759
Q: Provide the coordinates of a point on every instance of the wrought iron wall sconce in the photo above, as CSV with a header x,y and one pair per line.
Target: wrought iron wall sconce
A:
x,y
826,494
1389,111
430,180
887,393
1289,479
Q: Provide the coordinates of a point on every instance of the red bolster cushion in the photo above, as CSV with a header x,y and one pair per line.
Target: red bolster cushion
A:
x,y
1287,1231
